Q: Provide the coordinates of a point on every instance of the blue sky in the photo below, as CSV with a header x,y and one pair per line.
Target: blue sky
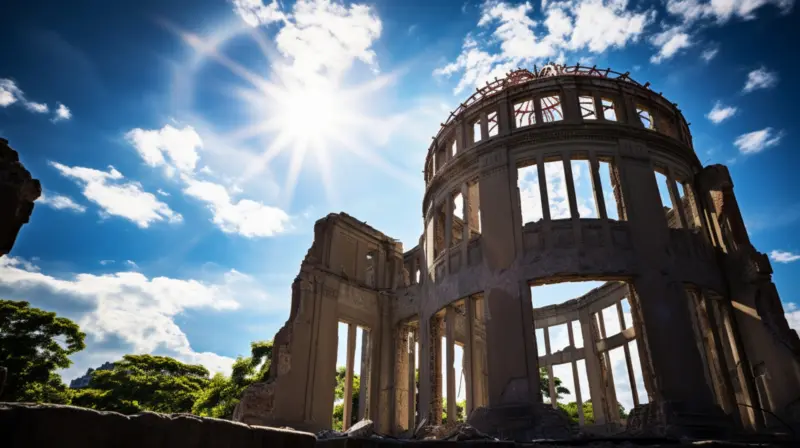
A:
x,y
186,150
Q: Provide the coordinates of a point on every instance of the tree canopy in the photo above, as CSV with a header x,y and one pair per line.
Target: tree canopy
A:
x,y
222,394
338,408
34,344
144,383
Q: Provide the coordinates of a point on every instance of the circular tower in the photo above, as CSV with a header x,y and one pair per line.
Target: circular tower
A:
x,y
503,212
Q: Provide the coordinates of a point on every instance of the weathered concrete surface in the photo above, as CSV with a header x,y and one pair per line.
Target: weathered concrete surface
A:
x,y
18,190
24,425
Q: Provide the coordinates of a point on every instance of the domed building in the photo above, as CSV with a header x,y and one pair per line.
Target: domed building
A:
x,y
706,333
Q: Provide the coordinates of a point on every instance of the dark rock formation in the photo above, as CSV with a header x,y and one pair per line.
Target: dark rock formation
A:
x,y
18,190
24,425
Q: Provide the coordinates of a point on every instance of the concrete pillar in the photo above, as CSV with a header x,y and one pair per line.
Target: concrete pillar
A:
x,y
435,353
569,105
662,299
628,361
348,377
366,358
551,384
401,390
611,391
469,347
425,368
576,384
450,327
512,379
595,371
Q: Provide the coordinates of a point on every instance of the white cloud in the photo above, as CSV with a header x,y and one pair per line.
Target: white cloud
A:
x,y
670,42
592,26
757,141
720,113
782,256
255,12
177,150
709,54
60,202
245,217
62,113
131,264
162,192
320,37
179,145
138,310
10,94
106,262
557,196
117,197
721,11
760,78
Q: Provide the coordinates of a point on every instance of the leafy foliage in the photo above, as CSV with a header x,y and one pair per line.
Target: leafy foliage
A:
x,y
461,410
33,344
588,411
144,383
544,385
338,409
222,394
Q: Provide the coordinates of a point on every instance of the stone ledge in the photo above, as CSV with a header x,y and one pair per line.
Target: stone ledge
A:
x,y
24,425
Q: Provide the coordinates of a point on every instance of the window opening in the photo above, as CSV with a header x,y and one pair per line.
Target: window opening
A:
x,y
584,193
551,109
524,114
530,197
645,117
609,113
476,131
494,128
587,107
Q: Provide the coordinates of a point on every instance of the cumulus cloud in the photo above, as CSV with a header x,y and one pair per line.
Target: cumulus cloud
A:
x,y
319,37
760,78
720,113
244,217
178,145
10,94
176,150
757,141
670,42
117,197
130,309
62,113
722,11
782,256
60,202
592,26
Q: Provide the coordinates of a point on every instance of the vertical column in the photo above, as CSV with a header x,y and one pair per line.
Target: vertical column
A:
x,y
675,196
469,347
448,229
551,384
546,222
628,362
576,384
484,126
729,396
366,358
669,334
569,104
425,368
450,326
641,344
400,388
608,372
412,380
465,232
503,117
594,370
599,198
435,416
566,158
348,377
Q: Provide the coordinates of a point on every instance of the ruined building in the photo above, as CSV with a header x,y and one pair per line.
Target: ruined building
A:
x,y
708,326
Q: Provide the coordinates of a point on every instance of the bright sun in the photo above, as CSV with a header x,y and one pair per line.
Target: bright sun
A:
x,y
303,113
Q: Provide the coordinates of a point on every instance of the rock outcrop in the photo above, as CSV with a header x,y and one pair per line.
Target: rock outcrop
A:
x,y
18,190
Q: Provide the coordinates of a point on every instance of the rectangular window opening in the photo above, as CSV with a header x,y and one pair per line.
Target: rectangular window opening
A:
x,y
476,131
587,107
494,127
341,375
673,220
457,234
372,259
557,197
551,108
453,148
584,193
689,206
530,197
611,190
645,117
609,113
524,114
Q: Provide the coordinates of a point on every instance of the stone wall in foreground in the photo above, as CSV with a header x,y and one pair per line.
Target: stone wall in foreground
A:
x,y
25,425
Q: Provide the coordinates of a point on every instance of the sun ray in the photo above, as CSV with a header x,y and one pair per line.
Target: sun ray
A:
x,y
298,156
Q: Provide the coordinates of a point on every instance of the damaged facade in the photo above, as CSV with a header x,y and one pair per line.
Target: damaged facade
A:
x,y
709,328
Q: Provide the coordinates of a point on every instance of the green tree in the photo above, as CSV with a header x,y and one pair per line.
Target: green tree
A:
x,y
338,409
222,394
144,383
588,411
33,344
461,407
544,385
